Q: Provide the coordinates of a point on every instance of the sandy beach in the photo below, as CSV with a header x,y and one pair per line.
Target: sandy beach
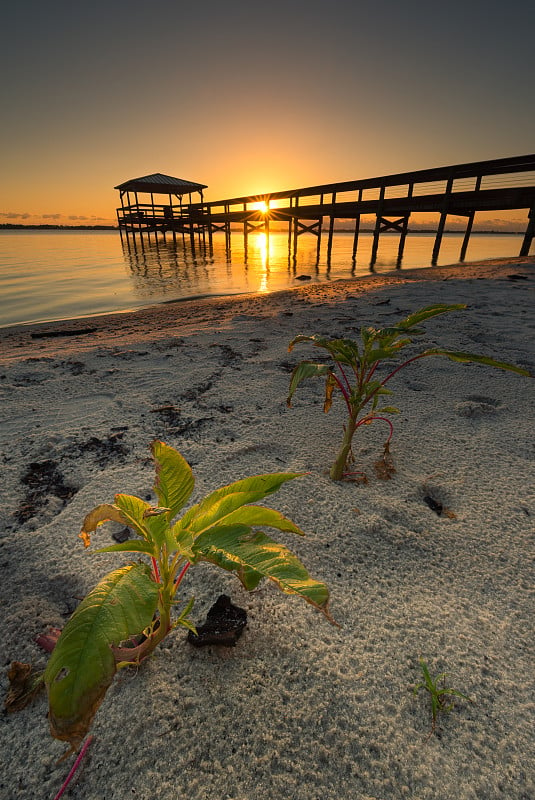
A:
x,y
299,709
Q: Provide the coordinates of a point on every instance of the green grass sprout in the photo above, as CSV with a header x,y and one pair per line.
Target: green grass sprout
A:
x,y
440,696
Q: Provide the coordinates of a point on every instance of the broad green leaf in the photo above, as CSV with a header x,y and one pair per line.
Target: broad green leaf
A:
x,y
427,313
373,335
174,478
245,550
183,539
345,351
249,577
466,358
131,546
261,516
298,339
249,490
134,510
381,354
82,664
158,528
304,370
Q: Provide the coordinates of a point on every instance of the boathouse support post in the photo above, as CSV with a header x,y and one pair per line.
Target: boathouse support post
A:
x,y
153,210
529,234
182,227
119,219
171,218
138,215
210,232
129,206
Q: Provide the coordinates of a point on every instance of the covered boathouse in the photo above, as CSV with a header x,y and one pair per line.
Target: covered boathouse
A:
x,y
136,216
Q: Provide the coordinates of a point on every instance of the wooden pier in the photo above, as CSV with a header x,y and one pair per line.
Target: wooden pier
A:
x,y
460,190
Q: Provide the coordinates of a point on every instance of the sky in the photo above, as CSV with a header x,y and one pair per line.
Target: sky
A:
x,y
251,97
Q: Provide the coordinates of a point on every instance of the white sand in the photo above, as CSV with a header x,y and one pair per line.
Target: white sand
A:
x,y
299,709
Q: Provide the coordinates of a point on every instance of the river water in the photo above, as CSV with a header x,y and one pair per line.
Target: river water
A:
x,y
53,275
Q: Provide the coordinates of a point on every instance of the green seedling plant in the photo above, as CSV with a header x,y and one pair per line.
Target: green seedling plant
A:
x,y
440,696
354,373
133,608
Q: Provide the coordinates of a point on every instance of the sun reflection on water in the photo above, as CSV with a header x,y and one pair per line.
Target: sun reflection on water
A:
x,y
262,245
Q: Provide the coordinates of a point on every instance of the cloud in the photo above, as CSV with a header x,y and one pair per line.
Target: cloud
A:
x,y
10,215
36,218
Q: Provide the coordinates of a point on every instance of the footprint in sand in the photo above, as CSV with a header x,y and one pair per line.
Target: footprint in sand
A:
x,y
476,405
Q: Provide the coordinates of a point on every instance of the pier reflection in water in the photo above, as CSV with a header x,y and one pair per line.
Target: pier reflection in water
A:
x,y
166,269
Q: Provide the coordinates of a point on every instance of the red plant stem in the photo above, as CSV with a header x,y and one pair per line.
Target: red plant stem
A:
x,y
343,390
155,569
401,366
370,373
391,375
348,385
384,419
183,571
74,767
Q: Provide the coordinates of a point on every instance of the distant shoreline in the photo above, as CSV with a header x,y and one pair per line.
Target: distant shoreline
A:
x,y
13,226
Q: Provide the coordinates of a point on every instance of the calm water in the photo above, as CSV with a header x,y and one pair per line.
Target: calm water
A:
x,y
52,275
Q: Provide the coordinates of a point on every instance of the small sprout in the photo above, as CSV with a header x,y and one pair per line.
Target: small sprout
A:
x,y
354,374
440,695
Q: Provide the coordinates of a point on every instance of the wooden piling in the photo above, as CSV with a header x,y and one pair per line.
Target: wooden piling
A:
x,y
529,234
442,221
377,229
357,226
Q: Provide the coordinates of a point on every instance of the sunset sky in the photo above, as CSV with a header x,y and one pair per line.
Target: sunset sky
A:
x,y
250,97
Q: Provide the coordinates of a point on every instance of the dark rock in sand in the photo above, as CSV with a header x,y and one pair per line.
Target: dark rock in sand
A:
x,y
224,625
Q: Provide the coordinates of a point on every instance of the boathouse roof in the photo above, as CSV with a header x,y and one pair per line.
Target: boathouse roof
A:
x,y
160,184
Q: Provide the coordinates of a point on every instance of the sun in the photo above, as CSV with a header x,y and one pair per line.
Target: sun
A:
x,y
261,206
